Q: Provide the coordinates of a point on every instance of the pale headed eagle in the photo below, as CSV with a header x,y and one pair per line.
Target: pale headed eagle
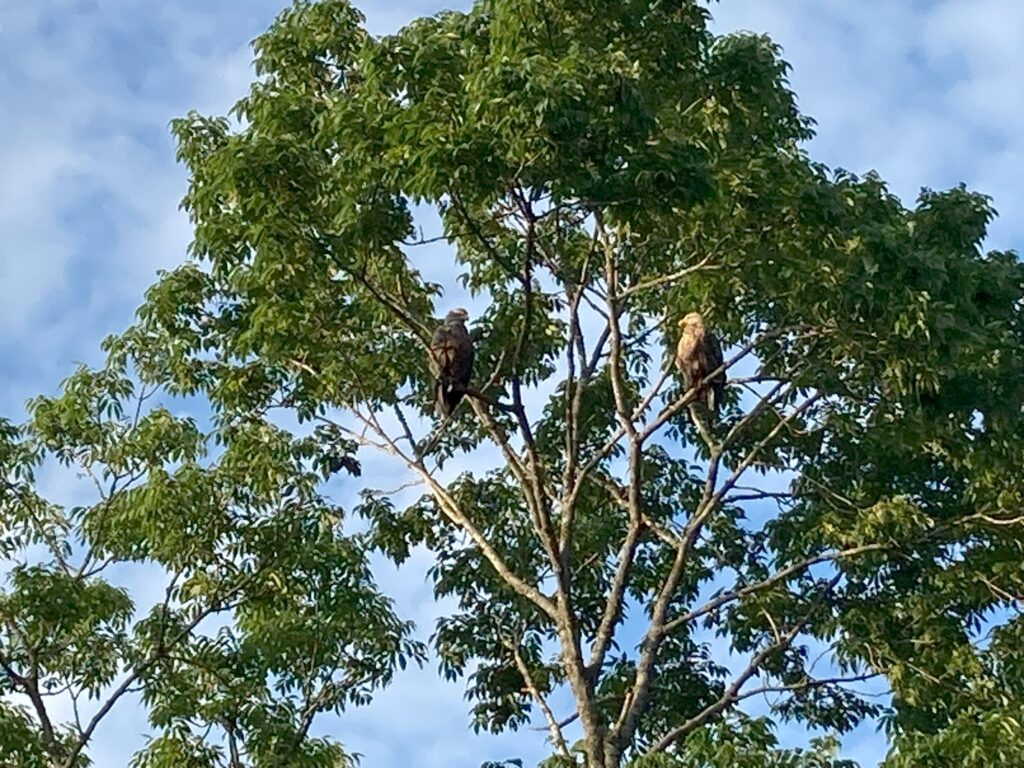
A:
x,y
698,355
451,353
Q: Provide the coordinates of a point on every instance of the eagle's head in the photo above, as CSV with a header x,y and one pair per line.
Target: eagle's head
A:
x,y
692,320
458,315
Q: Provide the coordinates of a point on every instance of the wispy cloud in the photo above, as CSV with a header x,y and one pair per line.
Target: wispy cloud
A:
x,y
927,93
89,188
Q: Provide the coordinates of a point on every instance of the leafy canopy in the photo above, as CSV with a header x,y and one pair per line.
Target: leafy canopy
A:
x,y
598,170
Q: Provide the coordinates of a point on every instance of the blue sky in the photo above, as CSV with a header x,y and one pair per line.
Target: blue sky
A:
x,y
928,92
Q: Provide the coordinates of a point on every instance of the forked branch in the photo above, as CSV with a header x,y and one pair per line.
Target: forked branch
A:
x,y
734,693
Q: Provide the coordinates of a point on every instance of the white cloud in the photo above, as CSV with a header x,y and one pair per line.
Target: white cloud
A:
x,y
929,94
90,189
36,249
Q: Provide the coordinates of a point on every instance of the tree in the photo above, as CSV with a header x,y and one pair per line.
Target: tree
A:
x,y
600,170
267,615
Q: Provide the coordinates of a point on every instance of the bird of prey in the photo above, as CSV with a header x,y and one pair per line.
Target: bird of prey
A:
x,y
451,353
698,355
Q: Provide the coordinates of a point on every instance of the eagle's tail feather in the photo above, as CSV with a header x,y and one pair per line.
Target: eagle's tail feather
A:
x,y
446,397
441,400
452,398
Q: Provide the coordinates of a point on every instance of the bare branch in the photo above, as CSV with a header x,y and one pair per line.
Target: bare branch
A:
x,y
732,694
703,264
999,592
236,760
596,354
622,410
634,504
808,684
776,578
653,638
760,496
493,402
752,454
400,415
627,552
452,511
29,684
481,237
554,728
999,520
575,349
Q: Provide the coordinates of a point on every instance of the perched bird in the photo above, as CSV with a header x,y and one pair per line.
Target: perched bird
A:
x,y
451,352
698,355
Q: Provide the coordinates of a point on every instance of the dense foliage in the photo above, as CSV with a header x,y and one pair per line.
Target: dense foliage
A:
x,y
598,170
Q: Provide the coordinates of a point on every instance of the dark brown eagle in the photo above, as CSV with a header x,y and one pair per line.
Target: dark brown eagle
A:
x,y
698,355
451,352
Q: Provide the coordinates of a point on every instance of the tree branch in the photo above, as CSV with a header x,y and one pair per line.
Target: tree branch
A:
x,y
636,701
554,729
732,694
451,510
153,656
648,284
613,605
776,578
30,686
